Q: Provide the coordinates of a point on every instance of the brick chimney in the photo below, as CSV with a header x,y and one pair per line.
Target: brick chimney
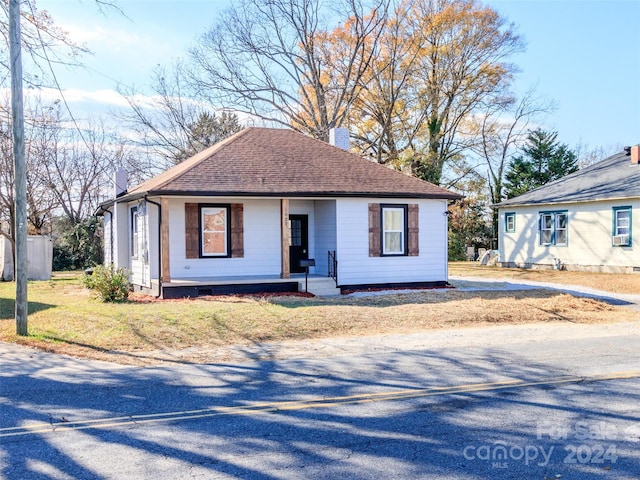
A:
x,y
339,137
635,154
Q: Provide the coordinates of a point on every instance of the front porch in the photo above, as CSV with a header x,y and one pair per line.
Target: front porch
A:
x,y
318,285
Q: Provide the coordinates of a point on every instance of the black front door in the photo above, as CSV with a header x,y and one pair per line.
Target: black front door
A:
x,y
299,246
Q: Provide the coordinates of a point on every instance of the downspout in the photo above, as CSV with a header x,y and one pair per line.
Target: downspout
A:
x,y
146,199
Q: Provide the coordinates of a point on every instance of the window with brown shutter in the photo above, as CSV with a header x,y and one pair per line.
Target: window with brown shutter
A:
x,y
214,230
393,230
413,231
374,230
237,230
192,230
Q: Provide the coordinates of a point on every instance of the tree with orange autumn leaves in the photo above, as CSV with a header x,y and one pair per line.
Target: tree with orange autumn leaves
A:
x,y
407,77
278,61
439,63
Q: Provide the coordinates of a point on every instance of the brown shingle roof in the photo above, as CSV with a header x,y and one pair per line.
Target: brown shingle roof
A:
x,y
279,162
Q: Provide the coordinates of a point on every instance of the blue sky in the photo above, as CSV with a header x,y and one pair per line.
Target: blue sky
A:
x,y
583,54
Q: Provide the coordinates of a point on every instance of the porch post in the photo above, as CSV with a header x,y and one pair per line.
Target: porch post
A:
x,y
165,274
284,236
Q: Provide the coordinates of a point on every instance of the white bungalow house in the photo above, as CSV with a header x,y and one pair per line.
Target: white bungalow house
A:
x,y
584,221
251,213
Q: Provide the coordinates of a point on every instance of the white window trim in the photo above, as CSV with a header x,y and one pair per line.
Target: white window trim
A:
x,y
203,212
402,231
628,220
557,228
510,216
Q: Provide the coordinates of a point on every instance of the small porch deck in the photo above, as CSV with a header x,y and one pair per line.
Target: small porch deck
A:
x,y
319,285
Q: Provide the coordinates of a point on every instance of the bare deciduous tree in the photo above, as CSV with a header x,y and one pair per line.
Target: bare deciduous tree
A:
x,y
503,127
436,63
278,61
78,168
43,44
172,124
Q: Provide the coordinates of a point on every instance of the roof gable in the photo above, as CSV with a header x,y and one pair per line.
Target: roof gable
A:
x,y
270,162
612,178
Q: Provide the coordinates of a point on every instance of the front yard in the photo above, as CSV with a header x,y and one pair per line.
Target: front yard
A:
x,y
65,318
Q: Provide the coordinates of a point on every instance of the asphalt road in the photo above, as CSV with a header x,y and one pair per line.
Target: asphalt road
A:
x,y
525,402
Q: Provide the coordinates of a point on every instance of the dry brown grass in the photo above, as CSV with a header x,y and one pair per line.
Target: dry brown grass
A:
x,y
65,318
610,282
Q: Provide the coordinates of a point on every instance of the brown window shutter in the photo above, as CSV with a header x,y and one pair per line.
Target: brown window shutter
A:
x,y
375,248
192,230
237,230
413,233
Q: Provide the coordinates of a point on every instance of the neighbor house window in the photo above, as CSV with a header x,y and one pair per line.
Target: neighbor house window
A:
x,y
394,229
622,226
510,222
553,228
135,229
214,229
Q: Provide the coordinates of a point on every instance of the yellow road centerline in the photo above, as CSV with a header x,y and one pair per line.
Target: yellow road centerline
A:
x,y
321,402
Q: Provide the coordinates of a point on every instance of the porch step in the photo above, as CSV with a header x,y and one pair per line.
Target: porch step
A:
x,y
320,287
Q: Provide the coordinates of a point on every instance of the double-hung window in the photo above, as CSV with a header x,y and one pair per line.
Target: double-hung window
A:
x,y
394,229
510,222
553,228
622,226
214,222
214,230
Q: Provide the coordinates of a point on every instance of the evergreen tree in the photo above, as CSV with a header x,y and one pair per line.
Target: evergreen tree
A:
x,y
543,160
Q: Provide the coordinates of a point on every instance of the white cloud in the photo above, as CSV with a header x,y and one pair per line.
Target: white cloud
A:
x,y
98,36
74,95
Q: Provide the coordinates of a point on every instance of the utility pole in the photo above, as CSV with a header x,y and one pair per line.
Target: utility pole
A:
x,y
20,168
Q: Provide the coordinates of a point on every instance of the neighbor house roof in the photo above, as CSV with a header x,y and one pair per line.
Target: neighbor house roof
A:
x,y
614,177
279,162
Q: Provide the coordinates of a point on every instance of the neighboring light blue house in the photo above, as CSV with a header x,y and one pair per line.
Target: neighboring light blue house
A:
x,y
584,221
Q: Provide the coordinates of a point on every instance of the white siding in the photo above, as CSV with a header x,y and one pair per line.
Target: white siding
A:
x,y
139,266
355,266
121,235
261,242
334,224
589,242
325,233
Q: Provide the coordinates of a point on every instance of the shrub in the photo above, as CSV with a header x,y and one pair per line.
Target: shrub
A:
x,y
457,250
76,246
110,285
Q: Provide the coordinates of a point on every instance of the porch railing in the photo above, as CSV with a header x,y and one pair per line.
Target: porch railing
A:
x,y
333,266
